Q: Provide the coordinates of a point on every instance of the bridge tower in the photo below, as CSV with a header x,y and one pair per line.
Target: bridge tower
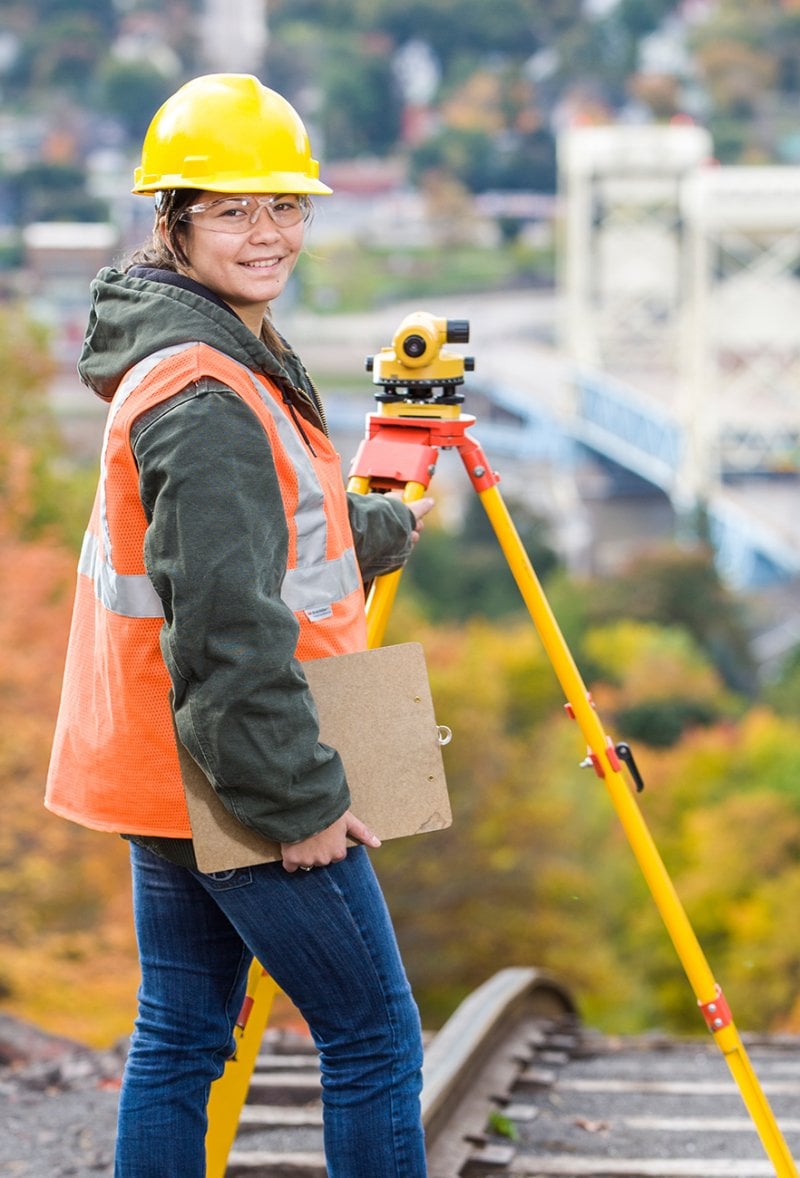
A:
x,y
623,277
234,35
681,303
741,350
625,283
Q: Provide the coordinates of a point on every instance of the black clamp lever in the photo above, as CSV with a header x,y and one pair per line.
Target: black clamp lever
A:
x,y
624,753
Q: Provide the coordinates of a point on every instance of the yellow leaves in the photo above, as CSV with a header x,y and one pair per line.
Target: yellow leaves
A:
x,y
646,661
735,71
536,867
654,680
24,375
66,942
81,987
733,846
477,104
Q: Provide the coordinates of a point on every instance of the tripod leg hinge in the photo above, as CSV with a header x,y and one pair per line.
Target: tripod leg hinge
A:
x,y
716,1012
611,754
247,1006
569,709
593,760
244,1013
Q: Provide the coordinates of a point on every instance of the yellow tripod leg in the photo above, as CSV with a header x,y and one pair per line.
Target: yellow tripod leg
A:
x,y
229,1092
707,992
384,589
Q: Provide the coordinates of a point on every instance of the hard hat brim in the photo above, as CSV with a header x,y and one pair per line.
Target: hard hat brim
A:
x,y
289,182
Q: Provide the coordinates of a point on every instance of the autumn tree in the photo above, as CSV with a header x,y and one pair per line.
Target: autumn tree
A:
x,y
676,586
536,868
460,571
655,682
66,954
746,56
724,808
513,881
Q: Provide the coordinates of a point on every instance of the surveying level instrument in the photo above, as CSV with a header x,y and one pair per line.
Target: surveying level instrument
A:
x,y
418,363
419,414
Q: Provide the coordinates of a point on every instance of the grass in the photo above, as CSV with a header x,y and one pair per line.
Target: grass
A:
x,y
353,277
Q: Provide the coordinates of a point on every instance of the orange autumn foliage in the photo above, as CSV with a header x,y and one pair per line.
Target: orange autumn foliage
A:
x,y
68,958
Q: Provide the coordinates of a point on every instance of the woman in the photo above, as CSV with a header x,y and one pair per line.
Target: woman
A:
x,y
223,551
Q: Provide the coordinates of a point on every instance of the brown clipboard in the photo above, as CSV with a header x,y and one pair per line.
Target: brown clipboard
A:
x,y
375,708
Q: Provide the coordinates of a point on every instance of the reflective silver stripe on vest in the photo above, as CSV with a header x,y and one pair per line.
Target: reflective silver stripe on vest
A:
x,y
315,582
131,381
312,539
301,586
132,596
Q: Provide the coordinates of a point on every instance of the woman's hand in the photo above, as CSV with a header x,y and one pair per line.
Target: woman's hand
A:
x,y
418,508
329,846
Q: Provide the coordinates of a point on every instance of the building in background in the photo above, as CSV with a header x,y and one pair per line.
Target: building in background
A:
x,y
234,35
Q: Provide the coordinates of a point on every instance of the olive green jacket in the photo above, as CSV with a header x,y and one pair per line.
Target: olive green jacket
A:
x,y
216,551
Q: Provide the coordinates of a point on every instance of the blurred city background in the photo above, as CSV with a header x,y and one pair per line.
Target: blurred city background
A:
x,y
609,191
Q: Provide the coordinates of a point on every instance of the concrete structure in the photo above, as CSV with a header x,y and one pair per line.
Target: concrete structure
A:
x,y
234,35
681,284
61,259
624,241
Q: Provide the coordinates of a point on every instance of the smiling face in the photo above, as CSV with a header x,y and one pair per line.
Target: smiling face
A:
x,y
248,270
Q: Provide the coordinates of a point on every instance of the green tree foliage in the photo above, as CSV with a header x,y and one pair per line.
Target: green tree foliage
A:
x,y
459,29
68,49
783,692
536,867
640,17
746,56
483,162
453,28
462,573
747,59
40,493
55,192
133,90
100,12
361,114
653,682
515,149
681,587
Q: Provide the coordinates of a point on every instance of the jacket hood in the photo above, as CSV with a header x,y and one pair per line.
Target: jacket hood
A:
x,y
131,317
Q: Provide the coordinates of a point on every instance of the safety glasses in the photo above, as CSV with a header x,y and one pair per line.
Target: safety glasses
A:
x,y
238,214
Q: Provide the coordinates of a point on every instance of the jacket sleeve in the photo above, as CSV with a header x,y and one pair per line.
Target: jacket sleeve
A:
x,y
382,532
216,551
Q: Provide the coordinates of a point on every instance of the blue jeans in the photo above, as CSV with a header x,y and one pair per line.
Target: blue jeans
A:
x,y
326,938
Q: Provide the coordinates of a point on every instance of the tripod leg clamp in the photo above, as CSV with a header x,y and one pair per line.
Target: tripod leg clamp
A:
x,y
716,1012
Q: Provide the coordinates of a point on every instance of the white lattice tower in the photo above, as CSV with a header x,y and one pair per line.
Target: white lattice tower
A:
x,y
234,35
623,278
742,327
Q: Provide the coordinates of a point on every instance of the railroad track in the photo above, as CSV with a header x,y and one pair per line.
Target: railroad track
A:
x,y
515,1085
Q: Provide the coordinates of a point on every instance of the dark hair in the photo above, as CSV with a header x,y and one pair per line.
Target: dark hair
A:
x,y
165,249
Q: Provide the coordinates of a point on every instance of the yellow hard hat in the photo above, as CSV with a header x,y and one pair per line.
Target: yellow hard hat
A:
x,y
228,133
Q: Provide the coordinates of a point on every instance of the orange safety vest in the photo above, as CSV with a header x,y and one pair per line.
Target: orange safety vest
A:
x,y
114,764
